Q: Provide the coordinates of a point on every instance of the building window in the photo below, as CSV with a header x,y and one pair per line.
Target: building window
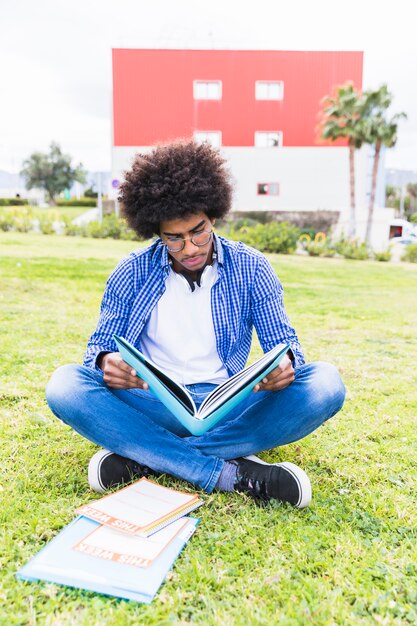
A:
x,y
207,89
268,139
268,189
269,90
213,137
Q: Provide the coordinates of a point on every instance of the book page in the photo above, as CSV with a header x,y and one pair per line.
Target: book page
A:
x,y
139,506
113,545
240,380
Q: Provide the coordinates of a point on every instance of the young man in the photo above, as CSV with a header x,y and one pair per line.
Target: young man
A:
x,y
189,302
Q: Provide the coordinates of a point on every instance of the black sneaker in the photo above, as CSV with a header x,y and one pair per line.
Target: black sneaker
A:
x,y
278,481
108,469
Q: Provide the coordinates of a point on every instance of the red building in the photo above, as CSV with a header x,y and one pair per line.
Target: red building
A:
x,y
261,107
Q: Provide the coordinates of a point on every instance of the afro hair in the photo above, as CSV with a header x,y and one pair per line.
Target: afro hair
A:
x,y
174,181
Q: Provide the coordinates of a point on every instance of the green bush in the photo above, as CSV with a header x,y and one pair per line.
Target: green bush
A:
x,y
84,202
128,234
13,202
356,251
23,221
352,249
319,248
73,230
111,227
239,223
90,193
384,255
46,226
98,230
314,249
278,237
18,218
6,221
328,250
310,231
410,253
413,218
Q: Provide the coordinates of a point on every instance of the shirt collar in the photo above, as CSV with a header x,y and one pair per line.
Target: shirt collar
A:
x,y
218,248
159,254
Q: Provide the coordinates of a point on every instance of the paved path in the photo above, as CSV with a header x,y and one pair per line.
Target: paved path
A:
x,y
86,217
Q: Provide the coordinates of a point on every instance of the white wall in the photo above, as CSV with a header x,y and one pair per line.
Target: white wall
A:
x,y
382,218
309,178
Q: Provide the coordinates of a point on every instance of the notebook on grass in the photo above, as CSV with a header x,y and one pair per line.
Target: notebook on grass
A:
x,y
142,508
60,563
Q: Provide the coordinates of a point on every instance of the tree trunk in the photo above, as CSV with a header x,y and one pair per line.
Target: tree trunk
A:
x,y
352,219
375,167
51,196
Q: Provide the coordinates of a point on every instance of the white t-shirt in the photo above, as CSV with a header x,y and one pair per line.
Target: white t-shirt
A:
x,y
179,335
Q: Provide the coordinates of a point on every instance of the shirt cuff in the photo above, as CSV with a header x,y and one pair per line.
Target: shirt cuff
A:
x,y
98,357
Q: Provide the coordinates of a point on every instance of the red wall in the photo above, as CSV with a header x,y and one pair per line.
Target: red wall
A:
x,y
153,93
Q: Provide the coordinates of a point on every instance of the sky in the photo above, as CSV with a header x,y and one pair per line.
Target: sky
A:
x,y
55,59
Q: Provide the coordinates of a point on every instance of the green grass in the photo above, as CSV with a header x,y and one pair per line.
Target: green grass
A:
x,y
58,213
349,559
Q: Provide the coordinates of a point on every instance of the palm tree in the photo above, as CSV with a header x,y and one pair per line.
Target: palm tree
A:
x,y
378,131
412,192
342,118
391,196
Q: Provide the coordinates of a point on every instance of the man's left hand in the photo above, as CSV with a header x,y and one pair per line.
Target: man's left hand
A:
x,y
279,378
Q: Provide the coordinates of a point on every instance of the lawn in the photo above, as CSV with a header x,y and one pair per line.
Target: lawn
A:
x,y
349,559
59,212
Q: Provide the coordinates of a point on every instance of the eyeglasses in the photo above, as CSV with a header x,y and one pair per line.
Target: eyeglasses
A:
x,y
199,238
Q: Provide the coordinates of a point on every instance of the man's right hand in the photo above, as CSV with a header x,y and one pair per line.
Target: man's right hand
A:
x,y
118,374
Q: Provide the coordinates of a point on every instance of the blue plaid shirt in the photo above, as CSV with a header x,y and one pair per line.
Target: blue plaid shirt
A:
x,y
247,294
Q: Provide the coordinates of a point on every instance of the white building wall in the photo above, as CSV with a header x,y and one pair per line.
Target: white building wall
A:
x,y
382,218
310,179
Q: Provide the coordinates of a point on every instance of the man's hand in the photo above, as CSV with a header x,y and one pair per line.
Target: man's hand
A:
x,y
279,378
118,374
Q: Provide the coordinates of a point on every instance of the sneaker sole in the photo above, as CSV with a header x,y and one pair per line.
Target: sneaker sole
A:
x,y
94,470
299,476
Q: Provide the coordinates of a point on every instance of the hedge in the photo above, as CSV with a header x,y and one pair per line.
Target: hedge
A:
x,y
278,237
13,202
87,202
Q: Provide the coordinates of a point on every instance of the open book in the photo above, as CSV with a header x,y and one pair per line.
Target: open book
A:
x,y
218,402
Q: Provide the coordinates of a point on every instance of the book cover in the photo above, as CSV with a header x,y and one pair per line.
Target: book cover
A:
x,y
113,545
58,562
142,508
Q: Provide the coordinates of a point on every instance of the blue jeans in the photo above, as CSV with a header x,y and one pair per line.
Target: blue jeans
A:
x,y
136,425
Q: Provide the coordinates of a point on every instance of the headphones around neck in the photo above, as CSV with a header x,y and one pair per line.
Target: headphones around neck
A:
x,y
199,280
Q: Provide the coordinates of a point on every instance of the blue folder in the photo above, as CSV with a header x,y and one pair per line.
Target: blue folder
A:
x,y
58,563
